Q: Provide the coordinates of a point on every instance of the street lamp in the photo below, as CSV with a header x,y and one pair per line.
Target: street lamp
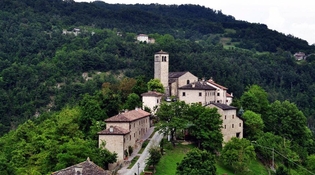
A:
x,y
273,154
138,168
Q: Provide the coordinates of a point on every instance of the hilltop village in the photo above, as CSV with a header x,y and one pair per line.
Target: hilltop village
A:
x,y
126,129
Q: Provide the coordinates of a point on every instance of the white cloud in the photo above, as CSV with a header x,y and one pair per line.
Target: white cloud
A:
x,y
275,20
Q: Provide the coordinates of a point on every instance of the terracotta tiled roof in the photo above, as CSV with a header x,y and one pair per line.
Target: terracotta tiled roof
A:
x,y
86,168
229,95
176,74
116,130
152,94
224,106
128,116
215,84
199,85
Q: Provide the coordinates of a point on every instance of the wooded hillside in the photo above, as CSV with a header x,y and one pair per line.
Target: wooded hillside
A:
x,y
41,69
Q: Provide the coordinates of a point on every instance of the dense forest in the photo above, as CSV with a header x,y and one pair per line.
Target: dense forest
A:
x,y
41,68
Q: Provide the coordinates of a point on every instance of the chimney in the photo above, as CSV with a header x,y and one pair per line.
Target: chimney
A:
x,y
78,170
111,129
193,85
136,108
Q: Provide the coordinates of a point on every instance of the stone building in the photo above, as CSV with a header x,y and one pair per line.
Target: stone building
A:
x,y
232,125
186,87
179,79
83,168
124,130
161,68
197,92
152,100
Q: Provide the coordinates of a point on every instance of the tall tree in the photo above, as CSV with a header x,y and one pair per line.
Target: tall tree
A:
x,y
172,117
238,153
254,125
197,162
155,85
133,101
205,125
154,157
289,122
255,99
91,111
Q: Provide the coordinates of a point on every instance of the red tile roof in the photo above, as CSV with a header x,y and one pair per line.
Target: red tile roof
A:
x,y
229,95
116,130
128,116
152,94
217,85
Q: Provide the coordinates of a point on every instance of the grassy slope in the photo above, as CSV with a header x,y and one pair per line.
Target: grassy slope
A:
x,y
168,163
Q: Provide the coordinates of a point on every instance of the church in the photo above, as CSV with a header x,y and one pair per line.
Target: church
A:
x,y
184,86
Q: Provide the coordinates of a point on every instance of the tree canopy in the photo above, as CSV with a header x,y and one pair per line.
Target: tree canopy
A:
x,y
197,162
238,153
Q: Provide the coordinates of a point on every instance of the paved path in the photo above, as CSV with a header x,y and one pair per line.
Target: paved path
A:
x,y
155,140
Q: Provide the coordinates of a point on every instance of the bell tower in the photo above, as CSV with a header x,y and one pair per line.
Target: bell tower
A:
x,y
161,60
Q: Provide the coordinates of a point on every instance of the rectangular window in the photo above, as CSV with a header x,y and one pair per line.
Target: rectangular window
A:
x,y
224,126
134,135
200,94
232,125
218,94
224,117
240,124
232,116
184,94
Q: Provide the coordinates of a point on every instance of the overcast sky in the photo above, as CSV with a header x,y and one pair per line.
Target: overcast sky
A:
x,y
289,17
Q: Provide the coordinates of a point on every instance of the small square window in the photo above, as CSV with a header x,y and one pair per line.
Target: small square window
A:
x,y
240,124
184,93
200,94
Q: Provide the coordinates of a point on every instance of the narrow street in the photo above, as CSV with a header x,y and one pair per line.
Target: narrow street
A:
x,y
155,140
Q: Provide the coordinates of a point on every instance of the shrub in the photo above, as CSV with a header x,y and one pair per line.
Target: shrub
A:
x,y
130,149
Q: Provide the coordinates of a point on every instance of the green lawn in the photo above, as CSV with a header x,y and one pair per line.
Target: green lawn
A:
x,y
167,164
